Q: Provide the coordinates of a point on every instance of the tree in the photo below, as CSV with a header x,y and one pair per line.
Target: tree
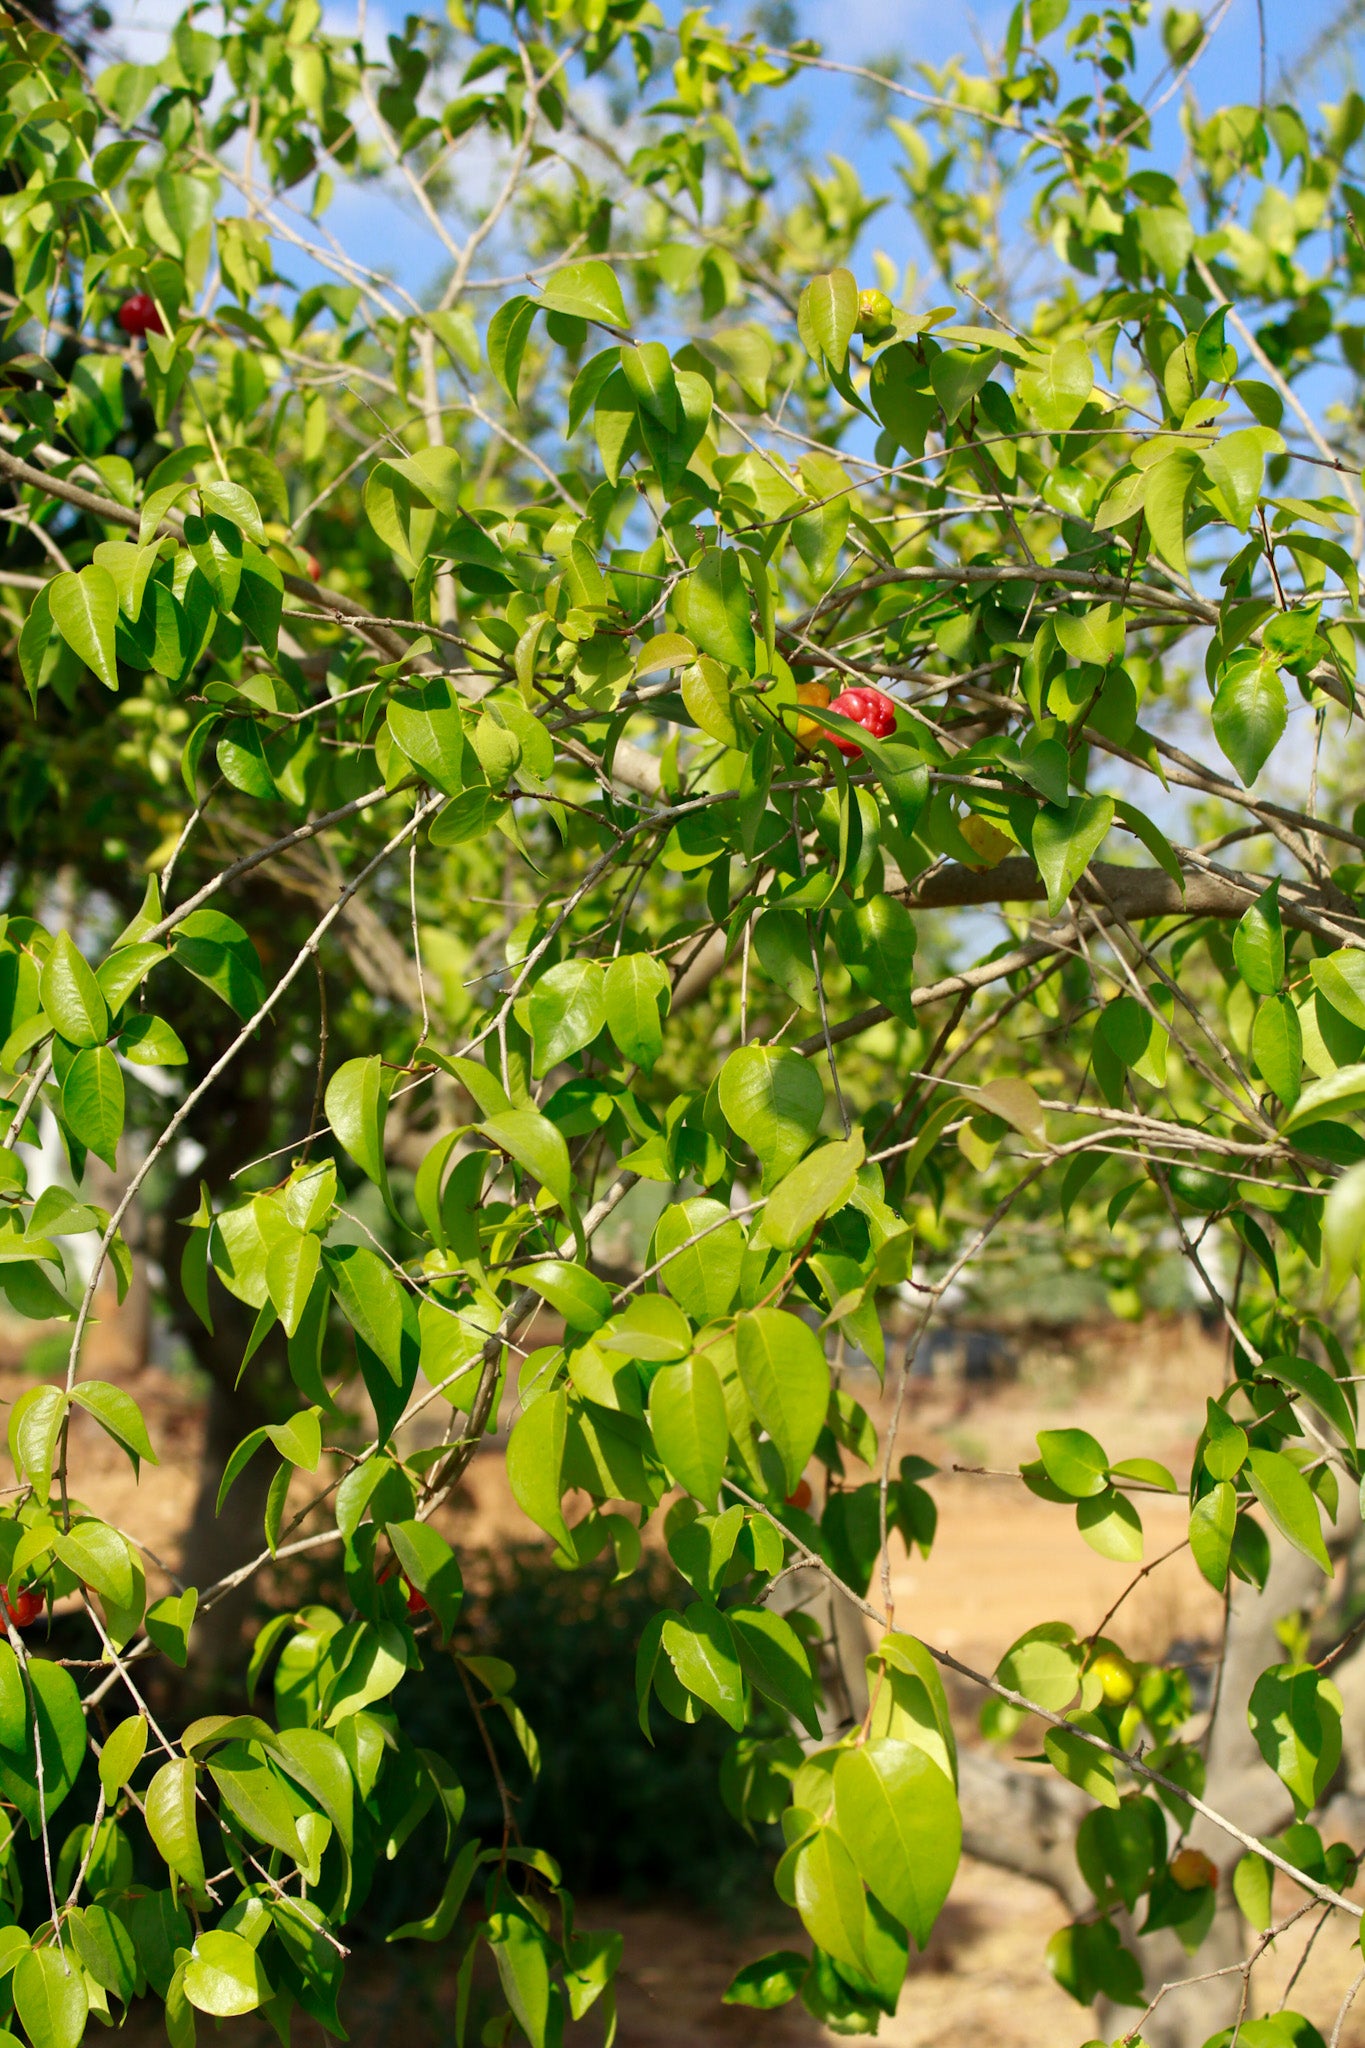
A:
x,y
490,764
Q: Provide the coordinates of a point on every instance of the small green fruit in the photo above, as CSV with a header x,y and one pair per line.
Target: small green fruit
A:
x,y
875,312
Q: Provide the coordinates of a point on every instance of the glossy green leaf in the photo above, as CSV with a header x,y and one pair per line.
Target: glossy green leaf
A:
x,y
687,1419
786,1377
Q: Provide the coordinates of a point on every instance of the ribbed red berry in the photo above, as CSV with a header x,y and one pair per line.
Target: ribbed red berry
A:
x,y
25,1607
872,709
138,315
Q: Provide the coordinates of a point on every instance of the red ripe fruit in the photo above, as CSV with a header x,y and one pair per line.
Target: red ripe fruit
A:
x,y
417,1603
315,568
802,1497
872,709
138,315
25,1607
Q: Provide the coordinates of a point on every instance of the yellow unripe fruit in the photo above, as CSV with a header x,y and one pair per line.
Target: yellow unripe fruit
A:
x,y
1118,1679
807,729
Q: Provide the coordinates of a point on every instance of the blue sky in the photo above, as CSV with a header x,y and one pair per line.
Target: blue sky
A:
x,y
380,230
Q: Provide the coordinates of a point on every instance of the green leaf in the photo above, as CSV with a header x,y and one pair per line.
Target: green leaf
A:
x,y
636,994
816,1187
1080,1761
1249,714
50,1998
440,1921
1258,944
376,1305
1277,1047
35,1424
72,997
1290,1502
898,1814
586,291
826,315
1212,1521
1340,1094
519,1949
218,952
1075,1461
1164,501
508,332
771,1981
357,1104
1166,236
224,1975
1044,1665
700,1646
427,1562
241,757
707,697
830,1899
99,1557
93,1102
716,609
1225,1444
1057,390
773,1100
1343,1226
106,1950
648,370
1317,1386
1111,1525
703,1278
535,1464
426,723
170,1817
1235,466
581,1298
688,1421
877,945
1295,1716
786,1377
148,1041
118,1414
84,609
568,1009
775,1662
1065,842
291,1268
537,1146
122,1753
168,1622
256,1799
1340,977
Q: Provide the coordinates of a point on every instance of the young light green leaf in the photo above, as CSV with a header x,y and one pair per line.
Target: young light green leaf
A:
x,y
1065,842
568,1009
1057,390
773,1100
826,315
786,1376
898,1814
688,1421
816,1187
84,610
72,997
170,1817
50,1997
1249,714
1289,1501
636,994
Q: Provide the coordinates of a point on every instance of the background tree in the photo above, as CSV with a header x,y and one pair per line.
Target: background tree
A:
x,y
500,754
